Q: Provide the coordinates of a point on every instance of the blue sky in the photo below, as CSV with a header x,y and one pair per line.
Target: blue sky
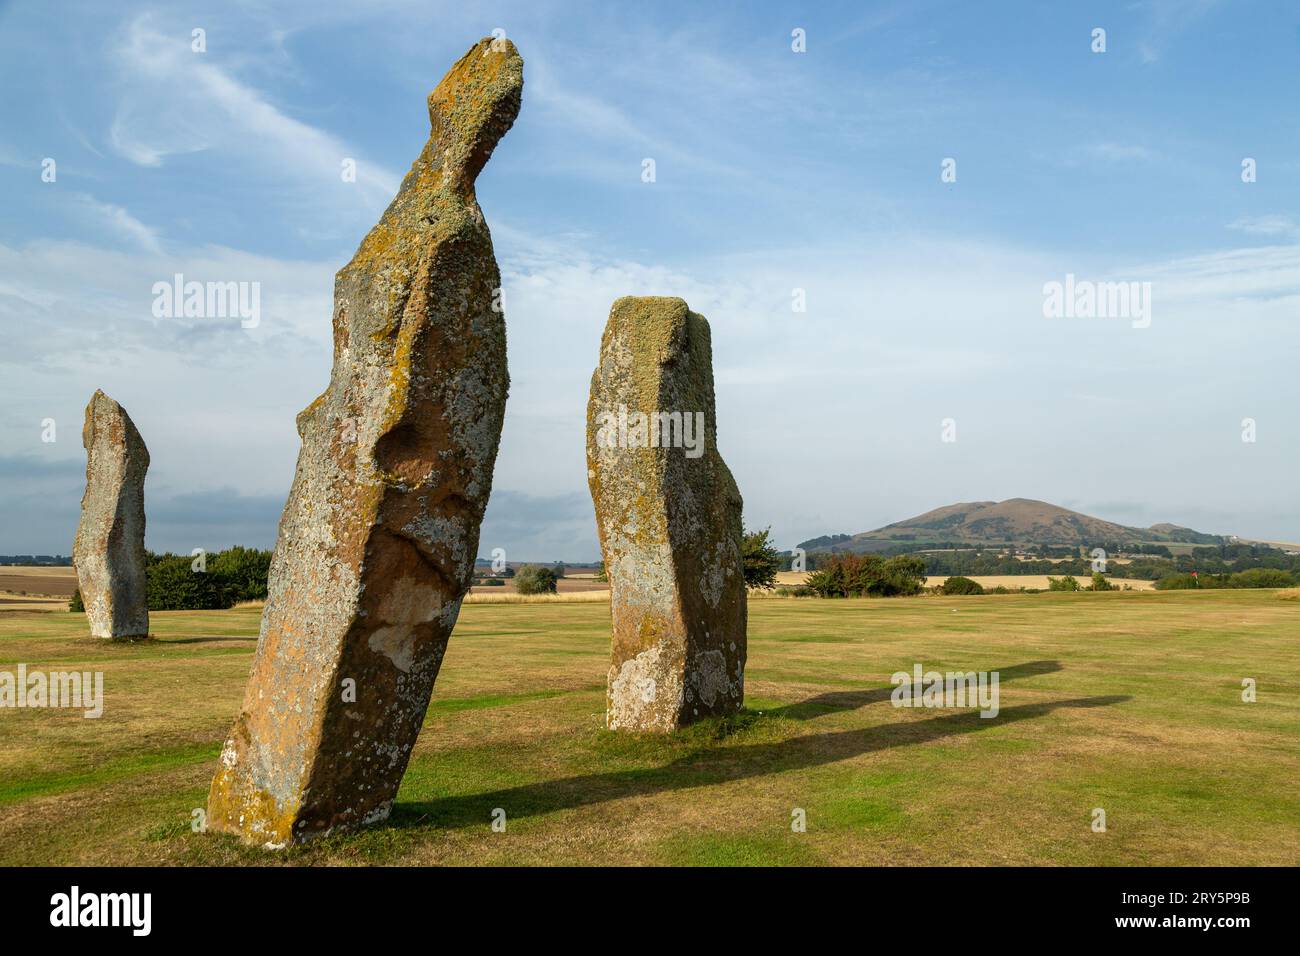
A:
x,y
775,171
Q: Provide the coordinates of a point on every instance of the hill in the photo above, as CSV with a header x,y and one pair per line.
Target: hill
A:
x,y
1016,521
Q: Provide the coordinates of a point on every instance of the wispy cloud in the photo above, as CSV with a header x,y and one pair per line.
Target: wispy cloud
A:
x,y
178,101
121,222
1121,153
1272,225
1164,20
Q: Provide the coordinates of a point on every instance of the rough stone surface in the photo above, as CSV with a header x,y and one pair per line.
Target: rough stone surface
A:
x,y
669,523
109,548
377,542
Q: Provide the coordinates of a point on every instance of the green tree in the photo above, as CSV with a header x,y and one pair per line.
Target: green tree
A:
x,y
242,572
1261,578
828,580
858,575
174,586
960,585
760,560
902,574
535,579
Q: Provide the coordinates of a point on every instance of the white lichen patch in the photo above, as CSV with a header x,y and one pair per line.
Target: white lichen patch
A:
x,y
645,692
709,678
397,643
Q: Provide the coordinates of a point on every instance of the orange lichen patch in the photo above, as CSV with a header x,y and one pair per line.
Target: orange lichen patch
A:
x,y
248,811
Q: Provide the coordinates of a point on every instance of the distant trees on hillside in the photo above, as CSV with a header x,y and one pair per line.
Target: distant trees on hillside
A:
x,y
823,543
1151,565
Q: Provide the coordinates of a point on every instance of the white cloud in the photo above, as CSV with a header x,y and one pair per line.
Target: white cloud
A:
x,y
846,398
1274,225
121,222
1121,152
177,101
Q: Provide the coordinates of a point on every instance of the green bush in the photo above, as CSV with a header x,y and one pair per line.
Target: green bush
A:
x,y
535,579
1262,578
1067,583
236,574
174,586
1176,582
1099,582
798,591
242,572
960,585
856,575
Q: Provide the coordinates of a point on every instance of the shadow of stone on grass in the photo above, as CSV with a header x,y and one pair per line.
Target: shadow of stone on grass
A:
x,y
841,700
712,767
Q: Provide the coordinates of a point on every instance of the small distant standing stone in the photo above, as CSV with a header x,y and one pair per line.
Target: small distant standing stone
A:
x,y
109,548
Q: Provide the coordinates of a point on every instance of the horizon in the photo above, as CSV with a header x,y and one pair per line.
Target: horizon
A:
x,y
781,177
515,562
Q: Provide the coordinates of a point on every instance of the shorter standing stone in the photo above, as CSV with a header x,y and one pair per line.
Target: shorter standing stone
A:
x,y
669,517
109,548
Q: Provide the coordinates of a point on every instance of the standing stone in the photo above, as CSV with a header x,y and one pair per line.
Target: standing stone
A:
x,y
108,551
377,543
669,518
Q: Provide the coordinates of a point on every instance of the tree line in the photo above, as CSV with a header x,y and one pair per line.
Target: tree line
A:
x,y
206,582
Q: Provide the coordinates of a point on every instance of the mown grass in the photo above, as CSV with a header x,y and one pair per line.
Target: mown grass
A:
x,y
1126,701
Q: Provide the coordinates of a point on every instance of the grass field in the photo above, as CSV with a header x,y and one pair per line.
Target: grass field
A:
x,y
1125,701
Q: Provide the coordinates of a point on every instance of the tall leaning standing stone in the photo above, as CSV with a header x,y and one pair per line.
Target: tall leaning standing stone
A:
x,y
108,551
377,543
669,518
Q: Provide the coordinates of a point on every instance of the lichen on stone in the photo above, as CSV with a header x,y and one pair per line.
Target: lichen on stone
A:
x,y
377,541
108,551
669,526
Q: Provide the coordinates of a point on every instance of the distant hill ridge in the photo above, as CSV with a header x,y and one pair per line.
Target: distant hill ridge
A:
x,y
1016,521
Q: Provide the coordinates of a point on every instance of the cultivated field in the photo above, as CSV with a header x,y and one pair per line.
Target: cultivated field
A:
x,y
43,581
1130,702
24,588
1039,581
